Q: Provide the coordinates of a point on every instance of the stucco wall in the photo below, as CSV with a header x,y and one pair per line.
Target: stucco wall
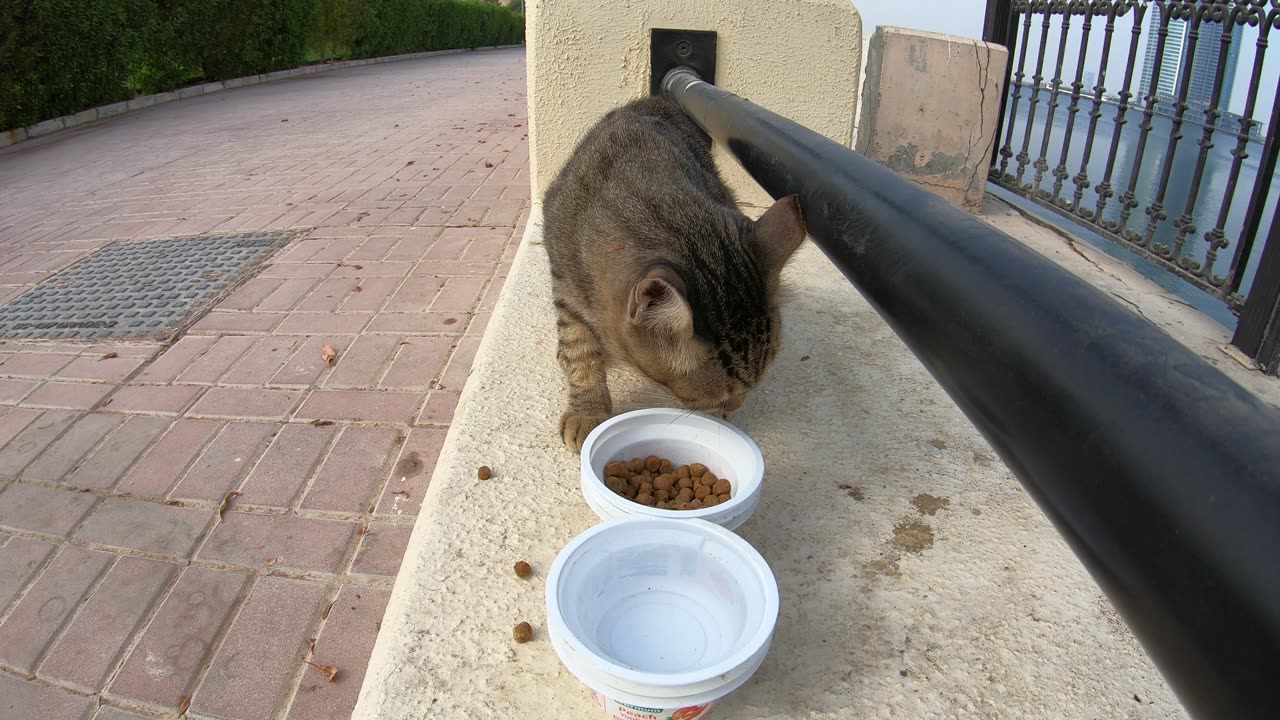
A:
x,y
799,58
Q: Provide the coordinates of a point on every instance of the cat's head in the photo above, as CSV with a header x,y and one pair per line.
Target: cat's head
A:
x,y
707,326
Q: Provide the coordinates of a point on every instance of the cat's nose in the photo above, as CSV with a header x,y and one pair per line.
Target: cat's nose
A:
x,y
733,403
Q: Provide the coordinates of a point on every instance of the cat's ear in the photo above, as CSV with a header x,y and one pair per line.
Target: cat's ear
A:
x,y
778,233
657,303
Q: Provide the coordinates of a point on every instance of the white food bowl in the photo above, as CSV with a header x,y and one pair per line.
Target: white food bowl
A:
x,y
684,438
660,618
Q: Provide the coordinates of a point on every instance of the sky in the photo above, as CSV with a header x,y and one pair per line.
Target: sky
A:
x,y
965,18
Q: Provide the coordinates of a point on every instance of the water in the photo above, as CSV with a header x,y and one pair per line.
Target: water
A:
x,y
1206,204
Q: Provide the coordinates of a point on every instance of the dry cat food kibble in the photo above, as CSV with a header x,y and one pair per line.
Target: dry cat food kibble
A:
x,y
484,473
523,632
655,482
523,569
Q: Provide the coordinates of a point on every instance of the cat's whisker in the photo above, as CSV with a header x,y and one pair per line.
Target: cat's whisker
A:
x,y
683,415
661,397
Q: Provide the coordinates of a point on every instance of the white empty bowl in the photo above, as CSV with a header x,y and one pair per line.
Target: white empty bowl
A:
x,y
660,616
684,438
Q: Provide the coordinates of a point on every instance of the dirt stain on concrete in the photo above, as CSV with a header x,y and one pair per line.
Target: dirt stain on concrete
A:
x,y
880,568
927,504
408,466
911,535
857,492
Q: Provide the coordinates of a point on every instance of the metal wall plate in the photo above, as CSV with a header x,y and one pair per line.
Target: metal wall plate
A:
x,y
144,290
670,49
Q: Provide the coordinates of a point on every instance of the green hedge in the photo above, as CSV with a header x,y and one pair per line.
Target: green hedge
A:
x,y
390,27
61,56
58,57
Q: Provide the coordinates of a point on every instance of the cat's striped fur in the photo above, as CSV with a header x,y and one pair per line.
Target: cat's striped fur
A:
x,y
653,264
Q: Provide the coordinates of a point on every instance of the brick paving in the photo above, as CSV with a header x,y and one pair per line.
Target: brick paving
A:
x,y
123,594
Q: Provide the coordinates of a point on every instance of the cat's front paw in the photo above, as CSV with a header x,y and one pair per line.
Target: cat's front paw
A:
x,y
576,425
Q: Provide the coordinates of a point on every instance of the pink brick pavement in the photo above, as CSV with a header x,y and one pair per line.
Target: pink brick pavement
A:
x,y
122,594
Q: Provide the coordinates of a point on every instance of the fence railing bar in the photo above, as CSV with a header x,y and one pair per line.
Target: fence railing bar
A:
x,y
1262,182
1000,26
1217,236
1081,180
1258,332
1060,173
1129,200
1259,323
1156,212
1006,151
1024,156
1186,221
1105,190
1042,162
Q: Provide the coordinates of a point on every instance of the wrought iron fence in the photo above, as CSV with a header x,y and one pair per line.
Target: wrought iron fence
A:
x,y
1127,115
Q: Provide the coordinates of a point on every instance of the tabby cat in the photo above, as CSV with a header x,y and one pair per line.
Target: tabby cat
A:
x,y
653,264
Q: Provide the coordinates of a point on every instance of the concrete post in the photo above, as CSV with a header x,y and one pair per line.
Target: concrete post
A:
x,y
930,105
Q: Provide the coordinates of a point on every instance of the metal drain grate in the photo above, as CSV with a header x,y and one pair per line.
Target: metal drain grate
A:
x,y
150,289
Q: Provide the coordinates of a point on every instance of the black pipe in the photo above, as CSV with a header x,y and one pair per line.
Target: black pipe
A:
x,y
1161,473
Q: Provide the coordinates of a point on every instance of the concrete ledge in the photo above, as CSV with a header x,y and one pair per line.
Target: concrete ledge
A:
x,y
917,578
113,109
47,127
84,117
9,137
138,103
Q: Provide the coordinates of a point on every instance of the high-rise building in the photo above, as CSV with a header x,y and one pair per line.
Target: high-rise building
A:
x,y
1204,63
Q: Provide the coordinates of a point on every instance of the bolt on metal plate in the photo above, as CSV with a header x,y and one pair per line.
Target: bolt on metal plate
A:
x,y
140,290
670,49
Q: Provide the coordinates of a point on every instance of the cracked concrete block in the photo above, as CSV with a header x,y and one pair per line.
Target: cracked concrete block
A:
x,y
930,105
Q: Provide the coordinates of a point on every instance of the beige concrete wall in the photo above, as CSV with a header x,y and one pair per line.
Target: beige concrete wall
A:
x,y
798,58
929,109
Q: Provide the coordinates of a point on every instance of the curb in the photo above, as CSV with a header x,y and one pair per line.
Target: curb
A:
x,y
85,117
